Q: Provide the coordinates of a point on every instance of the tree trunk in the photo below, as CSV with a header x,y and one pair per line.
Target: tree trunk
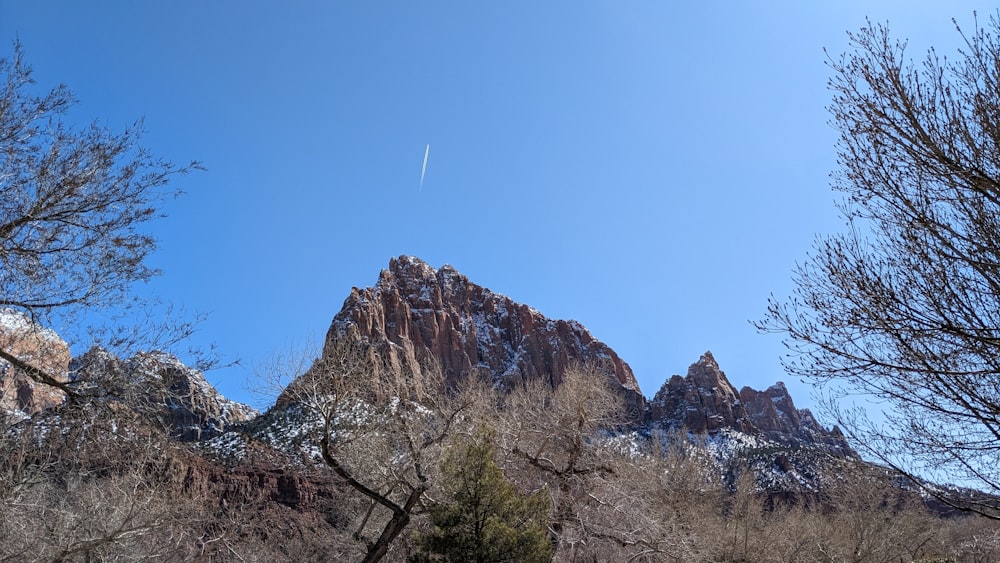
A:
x,y
392,529
400,519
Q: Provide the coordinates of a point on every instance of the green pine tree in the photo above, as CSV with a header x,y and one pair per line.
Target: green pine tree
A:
x,y
488,520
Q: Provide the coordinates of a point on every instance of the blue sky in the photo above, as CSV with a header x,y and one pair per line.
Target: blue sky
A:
x,y
650,169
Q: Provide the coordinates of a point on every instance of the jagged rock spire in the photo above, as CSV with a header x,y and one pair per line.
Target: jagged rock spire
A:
x,y
705,401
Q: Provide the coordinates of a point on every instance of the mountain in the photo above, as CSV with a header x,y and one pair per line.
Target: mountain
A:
x,y
29,342
415,313
705,401
235,483
178,396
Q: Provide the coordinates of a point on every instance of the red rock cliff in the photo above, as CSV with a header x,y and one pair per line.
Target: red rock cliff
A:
x,y
416,313
705,401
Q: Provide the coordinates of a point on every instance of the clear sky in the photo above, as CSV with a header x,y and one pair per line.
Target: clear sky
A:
x,y
651,169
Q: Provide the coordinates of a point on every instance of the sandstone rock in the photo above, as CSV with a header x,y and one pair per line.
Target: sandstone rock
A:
x,y
704,401
237,484
771,410
774,414
36,346
415,314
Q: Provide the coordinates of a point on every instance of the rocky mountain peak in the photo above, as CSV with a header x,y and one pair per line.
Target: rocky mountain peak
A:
x,y
417,314
706,361
707,374
773,413
705,401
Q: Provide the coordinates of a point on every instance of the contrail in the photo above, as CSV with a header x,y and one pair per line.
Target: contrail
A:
x,y
423,170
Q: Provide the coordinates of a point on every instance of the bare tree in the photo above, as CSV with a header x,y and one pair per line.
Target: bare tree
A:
x,y
684,490
905,306
380,430
97,488
862,515
73,207
555,436
87,480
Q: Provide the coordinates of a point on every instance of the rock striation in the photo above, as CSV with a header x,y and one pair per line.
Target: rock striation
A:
x,y
705,401
416,314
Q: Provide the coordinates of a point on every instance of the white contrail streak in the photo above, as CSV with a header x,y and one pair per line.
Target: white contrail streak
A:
x,y
423,170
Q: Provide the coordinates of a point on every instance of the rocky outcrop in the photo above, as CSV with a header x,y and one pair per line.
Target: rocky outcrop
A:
x,y
773,413
705,402
264,480
191,407
177,395
416,314
38,347
771,410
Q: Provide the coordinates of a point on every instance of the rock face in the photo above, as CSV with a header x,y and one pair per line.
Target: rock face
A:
x,y
416,313
36,346
773,413
705,401
179,396
245,484
194,410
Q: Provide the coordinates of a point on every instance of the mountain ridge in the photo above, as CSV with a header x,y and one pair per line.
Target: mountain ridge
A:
x,y
271,465
416,313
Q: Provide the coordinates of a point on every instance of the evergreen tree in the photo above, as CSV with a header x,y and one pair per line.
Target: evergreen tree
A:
x,y
488,519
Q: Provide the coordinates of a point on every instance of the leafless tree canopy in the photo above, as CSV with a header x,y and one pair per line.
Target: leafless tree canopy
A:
x,y
905,305
381,431
74,202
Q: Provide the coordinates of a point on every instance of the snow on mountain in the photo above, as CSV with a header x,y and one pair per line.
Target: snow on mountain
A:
x,y
180,396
